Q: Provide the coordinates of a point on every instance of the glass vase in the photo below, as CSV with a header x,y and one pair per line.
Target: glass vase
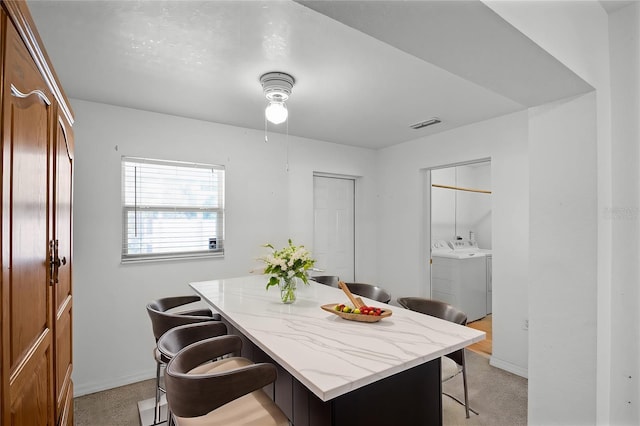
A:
x,y
288,290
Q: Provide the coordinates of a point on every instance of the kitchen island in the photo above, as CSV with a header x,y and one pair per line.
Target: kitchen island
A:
x,y
337,372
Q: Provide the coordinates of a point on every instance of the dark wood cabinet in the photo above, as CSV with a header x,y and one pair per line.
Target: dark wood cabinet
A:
x,y
36,256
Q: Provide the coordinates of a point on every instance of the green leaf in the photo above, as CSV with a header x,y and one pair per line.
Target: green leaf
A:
x,y
272,281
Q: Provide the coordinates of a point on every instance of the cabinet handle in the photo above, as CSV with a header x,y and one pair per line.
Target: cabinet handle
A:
x,y
53,255
54,262
18,94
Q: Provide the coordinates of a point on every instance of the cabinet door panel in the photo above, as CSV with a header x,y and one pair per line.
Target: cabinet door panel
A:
x,y
27,114
29,228
63,356
63,158
30,402
66,414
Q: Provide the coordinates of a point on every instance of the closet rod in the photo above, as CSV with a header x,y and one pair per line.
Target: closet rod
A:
x,y
457,188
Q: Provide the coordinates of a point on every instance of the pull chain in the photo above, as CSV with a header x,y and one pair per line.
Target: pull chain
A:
x,y
287,144
266,139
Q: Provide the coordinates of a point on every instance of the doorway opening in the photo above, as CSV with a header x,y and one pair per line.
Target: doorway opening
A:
x,y
458,242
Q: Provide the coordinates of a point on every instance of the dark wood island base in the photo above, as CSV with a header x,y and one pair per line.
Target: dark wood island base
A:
x,y
411,397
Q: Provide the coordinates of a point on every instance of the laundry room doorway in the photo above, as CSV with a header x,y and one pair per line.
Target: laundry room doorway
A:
x,y
458,242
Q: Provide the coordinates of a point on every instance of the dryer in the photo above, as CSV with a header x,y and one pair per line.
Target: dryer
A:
x,y
459,276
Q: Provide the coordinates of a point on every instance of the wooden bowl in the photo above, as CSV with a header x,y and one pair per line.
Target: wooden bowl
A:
x,y
356,317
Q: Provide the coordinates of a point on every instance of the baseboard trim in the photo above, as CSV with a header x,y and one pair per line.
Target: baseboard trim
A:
x,y
507,366
146,410
81,389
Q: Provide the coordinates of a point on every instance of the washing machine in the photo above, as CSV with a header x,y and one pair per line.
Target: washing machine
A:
x,y
459,276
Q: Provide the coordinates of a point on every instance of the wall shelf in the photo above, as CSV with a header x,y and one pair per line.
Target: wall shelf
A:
x,y
459,188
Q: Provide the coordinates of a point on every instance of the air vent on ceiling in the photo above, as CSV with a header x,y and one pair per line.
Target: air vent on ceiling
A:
x,y
425,123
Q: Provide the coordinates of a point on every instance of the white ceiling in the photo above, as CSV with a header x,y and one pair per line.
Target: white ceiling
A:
x,y
364,70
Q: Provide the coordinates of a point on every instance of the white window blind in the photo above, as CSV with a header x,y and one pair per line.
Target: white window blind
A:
x,y
171,209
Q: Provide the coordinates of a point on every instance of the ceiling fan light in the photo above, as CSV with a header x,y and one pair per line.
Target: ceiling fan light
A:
x,y
276,112
277,88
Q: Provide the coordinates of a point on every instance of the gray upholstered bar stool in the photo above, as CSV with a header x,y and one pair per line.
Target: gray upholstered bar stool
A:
x,y
370,291
226,392
163,318
178,338
453,363
330,280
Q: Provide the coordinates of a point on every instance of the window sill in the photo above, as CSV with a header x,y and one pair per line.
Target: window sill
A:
x,y
171,257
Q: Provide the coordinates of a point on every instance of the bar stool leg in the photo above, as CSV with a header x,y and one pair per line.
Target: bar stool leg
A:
x,y
156,408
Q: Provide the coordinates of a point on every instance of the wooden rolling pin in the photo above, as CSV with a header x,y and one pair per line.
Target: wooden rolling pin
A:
x,y
357,302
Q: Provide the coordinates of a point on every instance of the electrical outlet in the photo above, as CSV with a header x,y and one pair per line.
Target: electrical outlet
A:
x,y
525,325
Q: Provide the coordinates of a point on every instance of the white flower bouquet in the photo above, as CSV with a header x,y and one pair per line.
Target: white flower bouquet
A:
x,y
285,265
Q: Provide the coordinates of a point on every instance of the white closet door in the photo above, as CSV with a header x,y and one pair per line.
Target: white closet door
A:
x,y
334,222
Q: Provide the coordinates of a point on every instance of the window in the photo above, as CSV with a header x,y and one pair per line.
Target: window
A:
x,y
171,209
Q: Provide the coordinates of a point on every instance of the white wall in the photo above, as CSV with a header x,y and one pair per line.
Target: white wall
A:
x,y
563,270
478,210
457,213
265,203
402,270
443,205
624,28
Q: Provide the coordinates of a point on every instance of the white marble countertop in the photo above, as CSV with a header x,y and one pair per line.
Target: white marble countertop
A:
x,y
328,354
